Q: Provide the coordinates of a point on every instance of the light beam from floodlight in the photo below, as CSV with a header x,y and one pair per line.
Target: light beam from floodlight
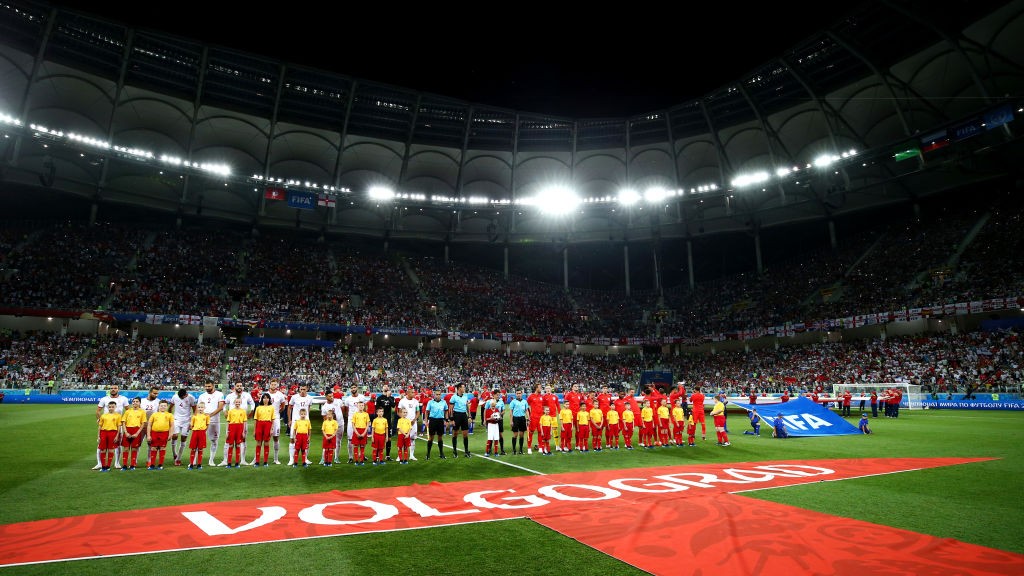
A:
x,y
381,193
628,197
556,200
655,194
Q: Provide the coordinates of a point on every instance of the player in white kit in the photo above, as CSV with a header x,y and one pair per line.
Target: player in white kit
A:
x,y
213,401
183,406
279,400
350,405
150,404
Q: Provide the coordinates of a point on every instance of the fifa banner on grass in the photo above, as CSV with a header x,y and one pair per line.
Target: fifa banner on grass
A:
x,y
803,418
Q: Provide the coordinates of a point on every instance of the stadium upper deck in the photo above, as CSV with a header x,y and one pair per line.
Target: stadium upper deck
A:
x,y
884,80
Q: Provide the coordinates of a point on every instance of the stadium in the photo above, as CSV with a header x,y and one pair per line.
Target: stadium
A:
x,y
845,217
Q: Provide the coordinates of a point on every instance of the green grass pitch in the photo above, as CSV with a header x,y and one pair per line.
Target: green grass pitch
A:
x,y
48,452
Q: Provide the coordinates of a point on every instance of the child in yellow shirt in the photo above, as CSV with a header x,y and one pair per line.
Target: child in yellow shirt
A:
x,y
404,428
330,431
380,437
301,429
198,424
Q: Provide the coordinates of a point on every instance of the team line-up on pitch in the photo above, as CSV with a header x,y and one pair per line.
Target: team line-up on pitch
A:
x,y
598,422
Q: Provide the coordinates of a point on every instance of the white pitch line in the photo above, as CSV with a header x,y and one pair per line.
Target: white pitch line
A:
x,y
420,438
512,465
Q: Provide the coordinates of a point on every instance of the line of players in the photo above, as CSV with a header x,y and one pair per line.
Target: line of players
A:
x,y
598,419
123,423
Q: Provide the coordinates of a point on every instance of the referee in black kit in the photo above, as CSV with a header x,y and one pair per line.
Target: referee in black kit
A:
x,y
387,402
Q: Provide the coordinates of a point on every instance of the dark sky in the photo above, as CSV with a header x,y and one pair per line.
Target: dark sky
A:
x,y
585,63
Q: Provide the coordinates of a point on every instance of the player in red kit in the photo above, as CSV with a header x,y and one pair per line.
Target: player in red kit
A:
x,y
536,403
697,404
604,401
657,400
551,401
573,399
679,392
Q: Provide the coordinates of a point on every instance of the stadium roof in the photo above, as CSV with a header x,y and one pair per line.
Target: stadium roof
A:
x,y
533,59
810,133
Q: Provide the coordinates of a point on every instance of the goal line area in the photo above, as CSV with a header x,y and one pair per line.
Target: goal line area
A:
x,y
912,394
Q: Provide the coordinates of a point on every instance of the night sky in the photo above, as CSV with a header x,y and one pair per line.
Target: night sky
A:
x,y
544,58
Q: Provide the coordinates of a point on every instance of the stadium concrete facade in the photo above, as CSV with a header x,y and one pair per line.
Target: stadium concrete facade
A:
x,y
886,107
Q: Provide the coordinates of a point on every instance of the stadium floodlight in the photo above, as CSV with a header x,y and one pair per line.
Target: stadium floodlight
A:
x,y
8,119
556,200
655,194
782,172
744,180
628,197
382,193
825,160
219,169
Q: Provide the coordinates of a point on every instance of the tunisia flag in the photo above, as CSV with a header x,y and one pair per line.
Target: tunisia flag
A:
x,y
274,194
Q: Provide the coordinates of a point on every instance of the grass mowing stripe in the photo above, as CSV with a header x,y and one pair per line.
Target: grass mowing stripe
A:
x,y
477,548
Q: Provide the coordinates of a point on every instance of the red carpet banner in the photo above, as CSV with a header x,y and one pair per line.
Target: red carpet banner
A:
x,y
665,520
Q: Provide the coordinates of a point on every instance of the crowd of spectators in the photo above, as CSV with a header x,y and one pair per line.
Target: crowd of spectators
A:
x,y
312,365
184,271
36,358
167,363
280,276
940,363
884,280
482,300
290,278
943,362
991,265
69,266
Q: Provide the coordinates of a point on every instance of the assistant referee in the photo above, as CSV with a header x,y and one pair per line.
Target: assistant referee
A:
x,y
437,411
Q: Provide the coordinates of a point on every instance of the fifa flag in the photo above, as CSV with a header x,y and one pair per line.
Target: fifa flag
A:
x,y
803,418
274,193
302,200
